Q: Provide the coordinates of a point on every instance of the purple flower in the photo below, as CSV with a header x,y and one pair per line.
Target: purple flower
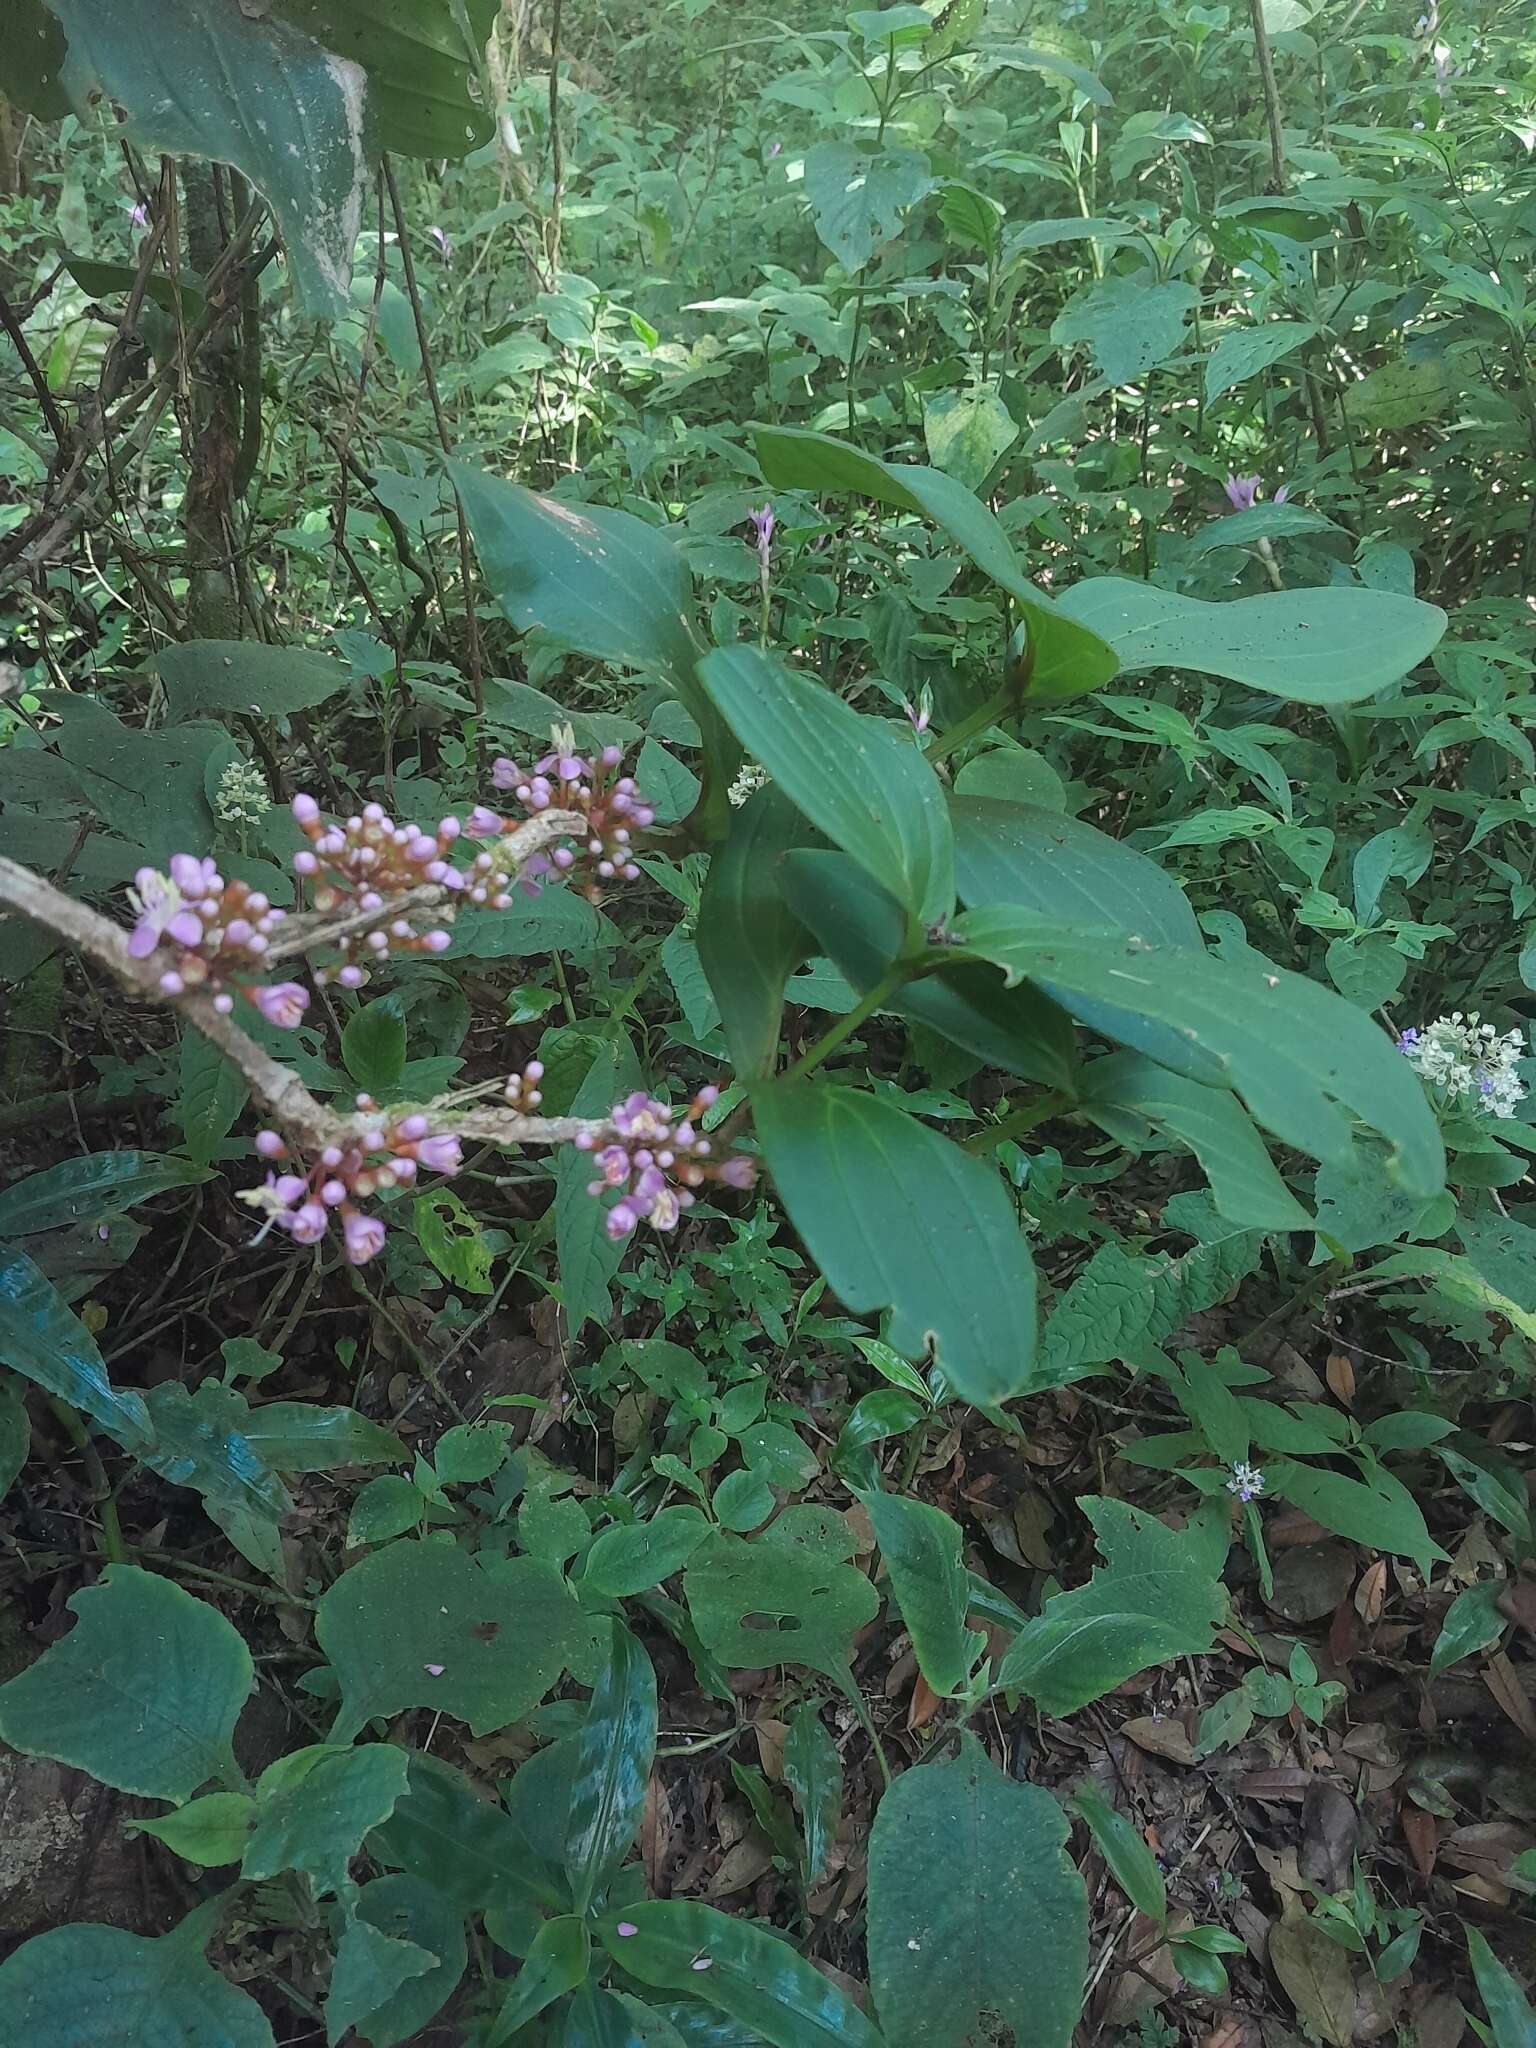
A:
x,y
162,912
763,524
444,246
1241,492
440,1154
1407,1040
307,1224
138,215
773,150
1281,495
363,1234
918,718
282,1003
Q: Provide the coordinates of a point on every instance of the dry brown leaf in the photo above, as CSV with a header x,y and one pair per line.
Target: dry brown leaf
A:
x,y
1233,2030
1371,1593
1330,1833
1422,1837
923,1705
1500,1678
1340,1375
771,1737
1315,1975
740,1866
1441,2022
1161,1735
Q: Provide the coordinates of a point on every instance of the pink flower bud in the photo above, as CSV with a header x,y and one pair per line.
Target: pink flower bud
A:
x,y
440,1154
364,1235
305,863
305,809
269,1145
307,1225
282,1003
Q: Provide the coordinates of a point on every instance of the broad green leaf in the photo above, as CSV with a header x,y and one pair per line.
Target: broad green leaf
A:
x,y
748,938
97,1185
858,196
1021,853
406,1909
851,775
946,1925
1399,394
1508,2009
1243,351
618,1745
452,1240
1473,1621
34,51
199,1441
738,1968
15,1434
369,1969
898,1217
441,1830
230,677
1380,1511
597,2018
421,66
383,1508
471,1451
1302,1059
921,1546
1121,1299
1131,1863
1065,660
100,1987
143,1693
294,124
1128,327
1014,775
813,1771
787,1596
861,928
297,1436
1329,646
556,1963
315,1805
1211,1122
633,1557
373,1047
211,1831
967,433
585,1256
970,218
1157,1595
420,1624
211,1092
42,1339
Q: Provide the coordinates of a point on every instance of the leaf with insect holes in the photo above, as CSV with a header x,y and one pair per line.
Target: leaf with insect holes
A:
x,y
787,1596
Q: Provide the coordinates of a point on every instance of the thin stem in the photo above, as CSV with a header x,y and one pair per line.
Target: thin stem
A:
x,y
1021,1120
113,1548
1277,178
974,722
845,1026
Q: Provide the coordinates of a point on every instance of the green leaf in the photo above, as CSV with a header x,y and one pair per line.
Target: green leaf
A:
x,y
862,930
967,433
1301,1058
81,1190
742,1500
813,1771
100,1986
738,1968
369,1969
1244,1182
1473,1621
585,1256
296,1436
1066,659
1380,1511
787,1596
1014,775
383,1508
294,126
229,677
499,1632
1329,646
1128,327
897,1216
420,64
1131,1863
970,218
15,1434
607,2019
1508,2009
471,1451
405,1909
211,1092
858,197
1243,351
210,1831
1042,860
921,1546
618,1745
557,1962
43,1340
453,1240
633,1557
1157,1595
1400,394
34,52
465,1846
851,775
143,1692
749,940
945,1926
373,1047
315,1805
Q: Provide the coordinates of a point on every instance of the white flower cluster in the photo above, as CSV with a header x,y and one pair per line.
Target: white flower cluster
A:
x,y
242,795
1247,1482
1468,1062
747,783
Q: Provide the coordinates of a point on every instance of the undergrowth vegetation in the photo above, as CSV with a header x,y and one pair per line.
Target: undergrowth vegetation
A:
x,y
766,830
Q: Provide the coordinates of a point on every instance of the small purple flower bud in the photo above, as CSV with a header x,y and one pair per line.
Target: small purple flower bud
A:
x,y
1241,492
307,1225
364,1235
440,1154
282,1003
269,1145
305,809
620,1220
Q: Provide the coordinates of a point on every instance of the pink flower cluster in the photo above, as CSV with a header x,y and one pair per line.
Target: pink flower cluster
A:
x,y
654,1159
385,1156
359,865
563,781
210,931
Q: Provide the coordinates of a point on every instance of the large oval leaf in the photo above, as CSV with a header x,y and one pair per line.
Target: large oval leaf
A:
x,y
852,776
118,1990
1328,646
1304,1061
948,1928
898,1217
1068,657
